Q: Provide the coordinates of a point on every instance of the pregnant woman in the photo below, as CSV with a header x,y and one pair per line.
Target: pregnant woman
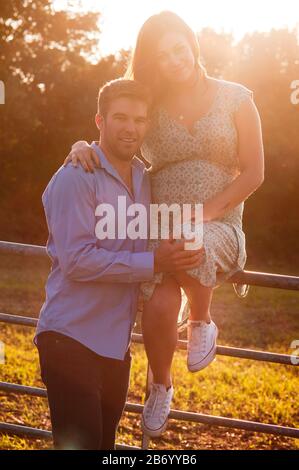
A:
x,y
204,146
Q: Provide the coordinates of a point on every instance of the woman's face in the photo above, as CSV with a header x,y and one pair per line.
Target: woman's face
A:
x,y
175,59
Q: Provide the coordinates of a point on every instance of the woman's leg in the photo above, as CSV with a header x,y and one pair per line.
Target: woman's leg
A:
x,y
199,297
202,331
159,328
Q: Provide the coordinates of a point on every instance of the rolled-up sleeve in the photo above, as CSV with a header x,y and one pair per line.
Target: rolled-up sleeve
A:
x,y
70,211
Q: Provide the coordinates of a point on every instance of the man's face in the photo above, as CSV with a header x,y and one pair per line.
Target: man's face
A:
x,y
124,127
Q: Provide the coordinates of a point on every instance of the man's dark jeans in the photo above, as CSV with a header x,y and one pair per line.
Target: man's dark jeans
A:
x,y
86,392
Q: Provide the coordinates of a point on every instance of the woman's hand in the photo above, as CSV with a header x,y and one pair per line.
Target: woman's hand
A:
x,y
83,154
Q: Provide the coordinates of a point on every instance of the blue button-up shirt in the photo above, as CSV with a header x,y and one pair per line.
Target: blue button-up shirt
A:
x,y
92,289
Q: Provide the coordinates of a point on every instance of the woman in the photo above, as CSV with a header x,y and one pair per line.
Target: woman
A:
x,y
204,146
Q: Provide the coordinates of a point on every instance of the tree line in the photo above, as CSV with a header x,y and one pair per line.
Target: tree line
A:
x,y
50,101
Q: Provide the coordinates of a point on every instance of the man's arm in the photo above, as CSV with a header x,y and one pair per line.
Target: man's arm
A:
x,y
70,209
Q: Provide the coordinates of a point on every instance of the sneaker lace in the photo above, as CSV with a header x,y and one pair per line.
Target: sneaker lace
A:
x,y
199,336
156,400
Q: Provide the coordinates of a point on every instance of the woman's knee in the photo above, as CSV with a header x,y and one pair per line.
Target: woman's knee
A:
x,y
164,305
195,291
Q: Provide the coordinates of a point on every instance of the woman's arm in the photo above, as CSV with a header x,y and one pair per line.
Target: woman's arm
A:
x,y
251,158
83,153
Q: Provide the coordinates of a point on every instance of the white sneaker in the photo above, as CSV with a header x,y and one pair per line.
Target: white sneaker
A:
x,y
156,410
201,347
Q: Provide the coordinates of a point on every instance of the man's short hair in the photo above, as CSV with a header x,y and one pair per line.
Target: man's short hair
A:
x,y
122,88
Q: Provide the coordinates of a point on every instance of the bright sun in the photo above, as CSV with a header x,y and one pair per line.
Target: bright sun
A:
x,y
121,20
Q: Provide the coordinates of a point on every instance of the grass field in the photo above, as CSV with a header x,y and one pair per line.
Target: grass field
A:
x,y
266,319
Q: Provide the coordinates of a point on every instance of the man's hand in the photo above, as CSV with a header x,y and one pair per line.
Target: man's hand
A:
x,y
171,256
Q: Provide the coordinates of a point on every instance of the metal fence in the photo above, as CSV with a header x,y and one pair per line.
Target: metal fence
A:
x,y
244,277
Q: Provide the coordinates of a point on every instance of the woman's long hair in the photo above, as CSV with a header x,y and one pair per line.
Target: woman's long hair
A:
x,y
143,64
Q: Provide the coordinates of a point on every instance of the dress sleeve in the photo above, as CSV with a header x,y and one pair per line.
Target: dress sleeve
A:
x,y
241,93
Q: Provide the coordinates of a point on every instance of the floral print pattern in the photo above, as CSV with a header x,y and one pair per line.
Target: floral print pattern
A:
x,y
191,167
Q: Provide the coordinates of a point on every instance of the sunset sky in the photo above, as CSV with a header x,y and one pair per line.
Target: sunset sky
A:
x,y
121,20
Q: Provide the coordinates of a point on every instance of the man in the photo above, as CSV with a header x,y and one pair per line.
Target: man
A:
x,y
84,330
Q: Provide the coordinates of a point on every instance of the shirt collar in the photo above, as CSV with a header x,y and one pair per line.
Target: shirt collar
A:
x,y
138,169
136,162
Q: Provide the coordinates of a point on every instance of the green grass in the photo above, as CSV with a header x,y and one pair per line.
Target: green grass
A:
x,y
267,319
